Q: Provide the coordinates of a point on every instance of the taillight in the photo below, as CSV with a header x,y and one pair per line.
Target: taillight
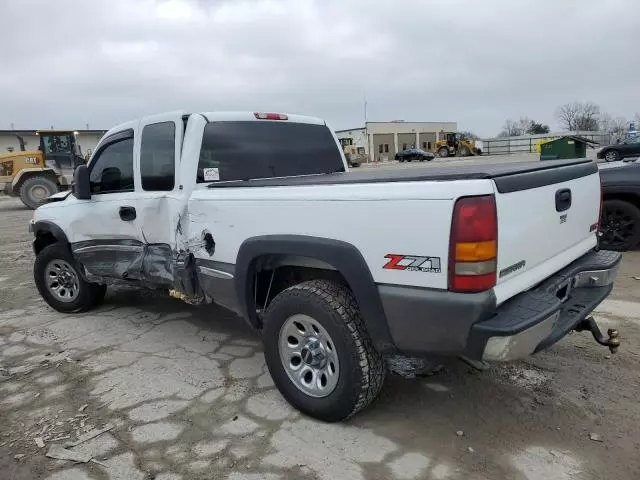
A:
x,y
473,250
270,116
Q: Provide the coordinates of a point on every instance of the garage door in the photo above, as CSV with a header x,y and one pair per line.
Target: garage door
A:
x,y
406,140
383,148
427,141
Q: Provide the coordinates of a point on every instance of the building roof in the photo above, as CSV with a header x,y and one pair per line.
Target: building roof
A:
x,y
34,132
576,138
349,129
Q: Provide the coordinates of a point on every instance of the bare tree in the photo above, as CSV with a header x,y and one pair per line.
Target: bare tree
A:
x,y
578,116
567,114
619,127
616,127
511,129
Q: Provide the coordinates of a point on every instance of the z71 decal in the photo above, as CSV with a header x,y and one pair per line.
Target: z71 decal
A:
x,y
412,263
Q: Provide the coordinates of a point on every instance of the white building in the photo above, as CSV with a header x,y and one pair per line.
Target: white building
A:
x,y
10,139
382,140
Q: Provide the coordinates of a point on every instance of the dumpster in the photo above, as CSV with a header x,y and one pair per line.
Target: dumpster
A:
x,y
570,146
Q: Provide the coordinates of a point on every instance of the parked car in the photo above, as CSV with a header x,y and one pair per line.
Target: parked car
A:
x,y
630,147
414,154
620,223
339,272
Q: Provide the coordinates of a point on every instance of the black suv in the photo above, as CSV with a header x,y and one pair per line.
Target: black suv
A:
x,y
620,222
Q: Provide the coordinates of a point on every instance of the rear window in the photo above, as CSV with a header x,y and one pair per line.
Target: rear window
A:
x,y
248,150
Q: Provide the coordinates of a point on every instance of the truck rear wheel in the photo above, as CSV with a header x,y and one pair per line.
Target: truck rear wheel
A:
x,y
59,282
443,152
319,353
34,190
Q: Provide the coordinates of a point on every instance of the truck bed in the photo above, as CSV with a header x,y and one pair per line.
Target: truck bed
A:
x,y
507,177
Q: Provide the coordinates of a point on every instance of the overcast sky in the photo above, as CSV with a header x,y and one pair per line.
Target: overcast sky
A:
x,y
67,63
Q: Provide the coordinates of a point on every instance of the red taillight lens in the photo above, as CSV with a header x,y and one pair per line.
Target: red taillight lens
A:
x,y
270,116
474,244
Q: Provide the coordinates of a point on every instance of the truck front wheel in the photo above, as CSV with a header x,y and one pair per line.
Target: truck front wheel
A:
x,y
319,353
35,190
59,282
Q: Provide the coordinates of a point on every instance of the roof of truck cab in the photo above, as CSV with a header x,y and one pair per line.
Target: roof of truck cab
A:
x,y
251,116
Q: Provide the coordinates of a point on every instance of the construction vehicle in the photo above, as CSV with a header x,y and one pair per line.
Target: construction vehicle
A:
x,y
35,175
456,144
353,154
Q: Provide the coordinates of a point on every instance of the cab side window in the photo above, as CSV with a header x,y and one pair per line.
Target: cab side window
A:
x,y
157,156
111,169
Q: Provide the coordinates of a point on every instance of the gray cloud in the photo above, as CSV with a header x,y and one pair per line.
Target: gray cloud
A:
x,y
70,62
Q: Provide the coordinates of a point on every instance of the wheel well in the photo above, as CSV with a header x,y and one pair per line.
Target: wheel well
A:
x,y
631,198
43,239
275,273
48,174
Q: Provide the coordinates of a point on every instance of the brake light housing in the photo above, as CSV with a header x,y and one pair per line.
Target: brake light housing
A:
x,y
270,116
473,248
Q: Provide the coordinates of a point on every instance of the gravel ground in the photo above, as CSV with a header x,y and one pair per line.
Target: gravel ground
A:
x,y
187,395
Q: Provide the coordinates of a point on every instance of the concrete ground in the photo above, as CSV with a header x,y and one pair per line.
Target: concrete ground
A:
x,y
187,396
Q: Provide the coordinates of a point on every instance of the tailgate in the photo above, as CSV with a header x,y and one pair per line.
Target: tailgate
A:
x,y
546,220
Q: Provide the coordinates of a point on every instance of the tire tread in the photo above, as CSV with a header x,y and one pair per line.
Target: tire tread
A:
x,y
340,299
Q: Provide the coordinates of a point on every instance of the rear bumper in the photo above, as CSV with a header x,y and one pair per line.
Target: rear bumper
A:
x,y
535,320
423,322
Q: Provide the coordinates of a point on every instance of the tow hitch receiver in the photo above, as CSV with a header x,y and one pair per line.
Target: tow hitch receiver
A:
x,y
613,342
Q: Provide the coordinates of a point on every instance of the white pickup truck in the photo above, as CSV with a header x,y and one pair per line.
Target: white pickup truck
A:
x,y
338,270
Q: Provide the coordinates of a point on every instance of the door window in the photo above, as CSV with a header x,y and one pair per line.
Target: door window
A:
x,y
157,156
111,171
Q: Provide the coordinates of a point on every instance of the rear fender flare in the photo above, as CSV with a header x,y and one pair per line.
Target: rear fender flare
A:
x,y
343,256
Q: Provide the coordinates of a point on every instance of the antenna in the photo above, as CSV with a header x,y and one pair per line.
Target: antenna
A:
x,y
365,107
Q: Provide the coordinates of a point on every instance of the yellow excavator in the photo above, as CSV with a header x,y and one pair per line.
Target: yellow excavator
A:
x,y
34,175
456,144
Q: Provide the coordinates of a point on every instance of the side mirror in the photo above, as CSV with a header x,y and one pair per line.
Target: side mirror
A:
x,y
81,183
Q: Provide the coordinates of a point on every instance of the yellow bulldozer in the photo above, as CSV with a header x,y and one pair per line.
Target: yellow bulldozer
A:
x,y
456,145
34,175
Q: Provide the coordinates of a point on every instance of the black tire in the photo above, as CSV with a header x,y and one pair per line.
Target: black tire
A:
x,y
619,225
33,185
89,294
401,159
612,155
362,369
443,152
463,152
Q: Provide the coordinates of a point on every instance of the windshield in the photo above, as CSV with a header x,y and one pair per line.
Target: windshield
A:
x,y
246,150
62,143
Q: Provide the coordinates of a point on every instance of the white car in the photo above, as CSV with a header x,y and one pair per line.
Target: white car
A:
x,y
338,270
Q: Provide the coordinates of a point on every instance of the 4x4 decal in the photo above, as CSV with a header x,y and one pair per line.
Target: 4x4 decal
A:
x,y
413,263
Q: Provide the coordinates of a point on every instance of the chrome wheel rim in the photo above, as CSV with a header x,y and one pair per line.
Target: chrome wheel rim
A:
x,y
309,356
62,280
610,156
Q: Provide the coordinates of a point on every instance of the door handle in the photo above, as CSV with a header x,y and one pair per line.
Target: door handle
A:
x,y
563,200
127,213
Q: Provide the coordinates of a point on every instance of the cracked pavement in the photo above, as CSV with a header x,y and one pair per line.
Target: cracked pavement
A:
x,y
189,397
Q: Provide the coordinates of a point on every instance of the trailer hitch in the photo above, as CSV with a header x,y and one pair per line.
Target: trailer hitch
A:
x,y
613,341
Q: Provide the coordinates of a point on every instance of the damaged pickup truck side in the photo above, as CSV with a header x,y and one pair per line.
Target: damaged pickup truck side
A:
x,y
341,272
